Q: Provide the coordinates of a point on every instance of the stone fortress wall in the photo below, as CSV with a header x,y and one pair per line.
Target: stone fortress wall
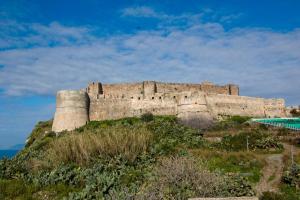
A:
x,y
196,105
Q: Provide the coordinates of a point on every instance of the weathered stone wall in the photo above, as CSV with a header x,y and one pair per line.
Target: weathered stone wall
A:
x,y
197,109
196,105
71,110
222,105
109,108
148,88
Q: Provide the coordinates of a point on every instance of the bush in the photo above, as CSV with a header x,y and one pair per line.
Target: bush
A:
x,y
16,189
290,193
292,176
272,196
238,119
248,164
168,135
147,117
230,122
13,168
256,141
38,131
181,178
238,186
184,177
295,112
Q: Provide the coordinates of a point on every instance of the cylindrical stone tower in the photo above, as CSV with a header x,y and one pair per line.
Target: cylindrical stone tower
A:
x,y
72,110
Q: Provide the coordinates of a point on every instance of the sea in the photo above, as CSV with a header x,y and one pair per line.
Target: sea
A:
x,y
8,153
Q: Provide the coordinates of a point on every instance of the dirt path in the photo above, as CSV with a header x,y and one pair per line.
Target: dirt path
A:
x,y
272,173
273,170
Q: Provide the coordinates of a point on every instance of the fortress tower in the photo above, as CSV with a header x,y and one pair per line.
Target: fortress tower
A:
x,y
71,110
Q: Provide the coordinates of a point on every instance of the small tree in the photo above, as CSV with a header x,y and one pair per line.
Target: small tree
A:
x,y
295,112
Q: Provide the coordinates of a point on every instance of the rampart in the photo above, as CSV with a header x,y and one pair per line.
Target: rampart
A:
x,y
196,105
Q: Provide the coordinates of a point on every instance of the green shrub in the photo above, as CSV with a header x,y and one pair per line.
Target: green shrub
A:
x,y
295,112
230,122
16,189
238,186
256,141
39,131
168,136
290,193
238,119
247,164
147,117
292,176
12,168
272,196
283,131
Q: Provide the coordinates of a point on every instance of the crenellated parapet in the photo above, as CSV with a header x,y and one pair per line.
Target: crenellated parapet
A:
x,y
149,88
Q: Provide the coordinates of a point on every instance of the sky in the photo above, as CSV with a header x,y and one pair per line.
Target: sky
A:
x,y
51,45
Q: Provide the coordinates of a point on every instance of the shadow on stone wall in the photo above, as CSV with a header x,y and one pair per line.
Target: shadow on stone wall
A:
x,y
195,120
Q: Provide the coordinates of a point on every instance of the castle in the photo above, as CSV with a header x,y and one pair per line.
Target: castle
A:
x,y
196,105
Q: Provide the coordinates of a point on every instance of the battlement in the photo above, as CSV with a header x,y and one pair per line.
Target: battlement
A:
x,y
196,105
147,89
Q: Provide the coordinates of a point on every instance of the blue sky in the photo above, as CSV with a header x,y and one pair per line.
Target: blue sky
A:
x,y
50,45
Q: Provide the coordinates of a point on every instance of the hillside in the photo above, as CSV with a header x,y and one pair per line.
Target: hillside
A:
x,y
154,158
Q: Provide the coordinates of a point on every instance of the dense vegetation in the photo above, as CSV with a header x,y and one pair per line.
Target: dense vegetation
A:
x,y
142,158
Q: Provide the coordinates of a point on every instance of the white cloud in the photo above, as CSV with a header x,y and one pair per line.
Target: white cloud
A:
x,y
21,35
141,11
264,62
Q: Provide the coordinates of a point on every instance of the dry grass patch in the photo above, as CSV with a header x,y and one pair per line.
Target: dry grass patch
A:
x,y
127,142
182,178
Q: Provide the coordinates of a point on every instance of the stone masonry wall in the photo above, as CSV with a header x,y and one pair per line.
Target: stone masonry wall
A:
x,y
195,108
125,90
196,105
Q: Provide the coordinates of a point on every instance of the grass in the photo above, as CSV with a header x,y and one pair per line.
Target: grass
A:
x,y
108,142
16,189
271,178
246,163
20,190
39,131
254,141
151,155
290,193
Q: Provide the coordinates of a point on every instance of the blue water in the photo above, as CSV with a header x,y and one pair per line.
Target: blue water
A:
x,y
8,153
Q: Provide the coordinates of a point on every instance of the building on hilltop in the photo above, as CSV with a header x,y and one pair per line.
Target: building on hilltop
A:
x,y
196,105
